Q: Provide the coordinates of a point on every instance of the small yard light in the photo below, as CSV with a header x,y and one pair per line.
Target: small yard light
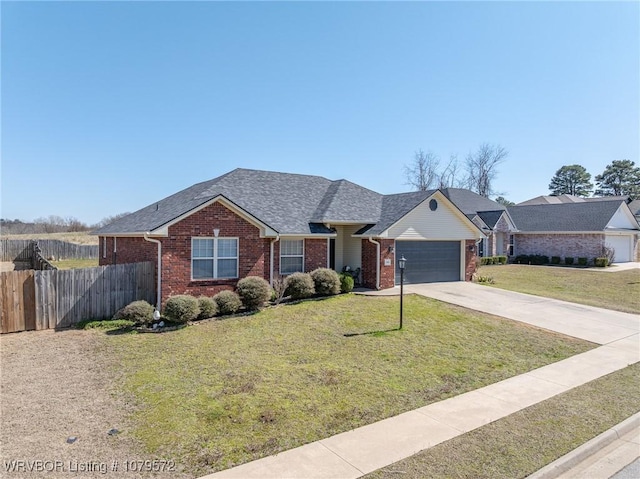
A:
x,y
402,262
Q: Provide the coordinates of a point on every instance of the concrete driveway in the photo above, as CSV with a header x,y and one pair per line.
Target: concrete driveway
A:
x,y
601,326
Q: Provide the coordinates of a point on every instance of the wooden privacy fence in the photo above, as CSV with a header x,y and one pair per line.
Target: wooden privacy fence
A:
x,y
22,250
35,300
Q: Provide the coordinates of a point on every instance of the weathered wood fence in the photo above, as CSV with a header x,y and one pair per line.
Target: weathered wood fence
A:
x,y
22,250
35,300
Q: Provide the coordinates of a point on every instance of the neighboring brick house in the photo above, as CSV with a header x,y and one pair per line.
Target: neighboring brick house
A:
x,y
259,223
576,229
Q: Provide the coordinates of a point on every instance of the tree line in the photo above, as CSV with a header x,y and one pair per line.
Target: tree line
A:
x,y
619,178
480,168
52,224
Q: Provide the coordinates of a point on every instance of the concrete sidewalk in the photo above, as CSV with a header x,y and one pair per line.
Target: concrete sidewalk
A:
x,y
363,450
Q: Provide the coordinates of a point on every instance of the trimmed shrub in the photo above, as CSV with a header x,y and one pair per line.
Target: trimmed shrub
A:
x,y
583,261
555,260
501,259
325,281
181,308
228,302
253,291
568,260
140,312
300,285
208,307
601,262
346,283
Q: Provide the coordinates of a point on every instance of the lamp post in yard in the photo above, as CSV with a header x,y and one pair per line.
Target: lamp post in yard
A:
x,y
402,262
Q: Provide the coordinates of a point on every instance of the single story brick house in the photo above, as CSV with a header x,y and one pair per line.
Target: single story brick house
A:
x,y
259,223
576,229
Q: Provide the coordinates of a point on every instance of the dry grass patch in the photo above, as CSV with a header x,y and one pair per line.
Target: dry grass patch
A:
x,y
222,393
524,442
80,237
619,291
76,263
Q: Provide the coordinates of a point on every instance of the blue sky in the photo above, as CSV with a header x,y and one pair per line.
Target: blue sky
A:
x,y
110,106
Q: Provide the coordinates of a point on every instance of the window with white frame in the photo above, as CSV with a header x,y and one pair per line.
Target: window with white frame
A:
x,y
214,258
291,256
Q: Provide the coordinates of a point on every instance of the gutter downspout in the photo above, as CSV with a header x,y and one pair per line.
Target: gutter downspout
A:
x,y
159,287
371,240
277,238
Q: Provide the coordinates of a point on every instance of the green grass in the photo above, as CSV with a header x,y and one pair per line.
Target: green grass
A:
x,y
524,442
75,263
619,291
221,393
107,324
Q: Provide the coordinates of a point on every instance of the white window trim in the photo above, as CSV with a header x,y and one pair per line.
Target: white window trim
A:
x,y
290,255
215,257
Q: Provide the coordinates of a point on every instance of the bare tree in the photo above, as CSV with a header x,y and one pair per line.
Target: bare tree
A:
x,y
482,166
423,172
449,176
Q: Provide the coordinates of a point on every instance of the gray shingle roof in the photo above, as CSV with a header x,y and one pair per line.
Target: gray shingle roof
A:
x,y
469,202
587,216
288,203
292,203
490,218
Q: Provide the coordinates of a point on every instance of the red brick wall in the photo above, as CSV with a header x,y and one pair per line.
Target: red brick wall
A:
x,y
387,273
128,250
370,261
368,264
315,254
176,251
469,259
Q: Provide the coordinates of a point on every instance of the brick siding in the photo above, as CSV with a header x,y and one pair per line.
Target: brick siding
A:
x,y
470,257
370,262
563,245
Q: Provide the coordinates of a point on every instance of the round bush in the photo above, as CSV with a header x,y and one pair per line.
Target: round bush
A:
x,y
300,285
228,302
253,291
208,307
181,308
346,283
325,281
140,312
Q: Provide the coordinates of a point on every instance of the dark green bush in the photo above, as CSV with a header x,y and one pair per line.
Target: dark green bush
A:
x,y
140,312
300,285
325,281
555,260
228,302
346,283
253,291
583,261
536,259
601,262
208,307
181,308
106,324
501,259
568,260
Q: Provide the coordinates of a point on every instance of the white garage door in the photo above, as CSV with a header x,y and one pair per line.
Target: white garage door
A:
x,y
622,247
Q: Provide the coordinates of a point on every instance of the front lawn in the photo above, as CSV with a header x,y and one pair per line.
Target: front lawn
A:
x,y
619,291
221,393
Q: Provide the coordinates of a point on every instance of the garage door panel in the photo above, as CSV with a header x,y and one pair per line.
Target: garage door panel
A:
x,y
622,247
429,261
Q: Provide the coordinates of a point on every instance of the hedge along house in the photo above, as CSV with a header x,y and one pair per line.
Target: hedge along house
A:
x,y
258,223
580,229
